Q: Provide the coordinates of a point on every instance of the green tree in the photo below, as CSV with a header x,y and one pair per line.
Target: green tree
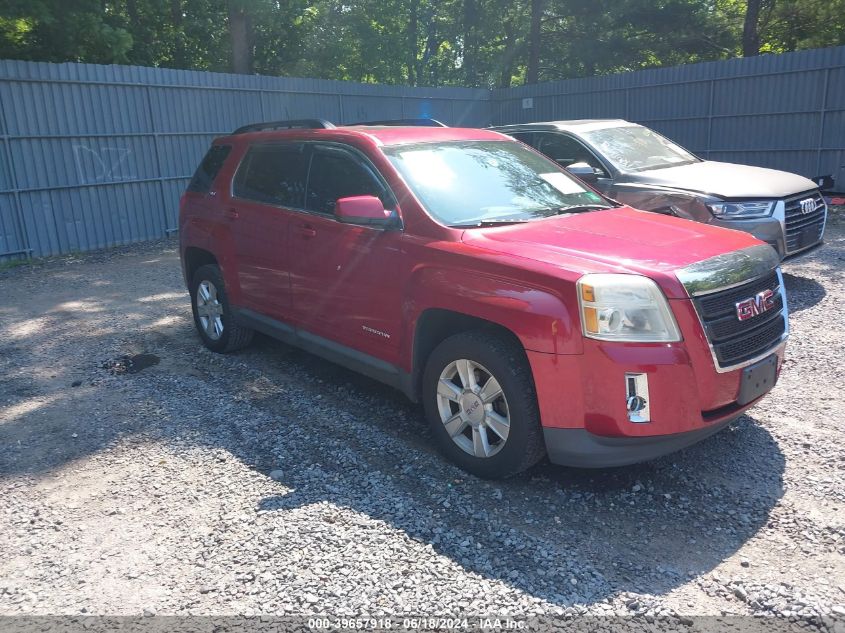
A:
x,y
805,24
417,42
63,30
589,37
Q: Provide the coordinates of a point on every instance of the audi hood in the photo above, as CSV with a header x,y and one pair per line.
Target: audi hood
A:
x,y
723,180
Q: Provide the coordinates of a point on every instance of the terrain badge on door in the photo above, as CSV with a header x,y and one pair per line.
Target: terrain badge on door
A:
x,y
370,330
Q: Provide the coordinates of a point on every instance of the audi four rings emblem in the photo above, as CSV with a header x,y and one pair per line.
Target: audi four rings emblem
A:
x,y
808,205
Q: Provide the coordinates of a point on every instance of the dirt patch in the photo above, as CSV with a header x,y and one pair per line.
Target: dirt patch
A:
x,y
130,364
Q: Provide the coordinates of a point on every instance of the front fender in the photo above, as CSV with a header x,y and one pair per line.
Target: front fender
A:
x,y
683,204
540,317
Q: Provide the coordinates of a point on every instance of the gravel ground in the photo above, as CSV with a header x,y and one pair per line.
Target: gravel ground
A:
x,y
270,482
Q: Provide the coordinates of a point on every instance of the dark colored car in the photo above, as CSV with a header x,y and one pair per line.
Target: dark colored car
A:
x,y
529,314
638,166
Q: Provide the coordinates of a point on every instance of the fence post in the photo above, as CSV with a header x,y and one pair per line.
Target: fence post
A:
x,y
822,116
261,94
159,172
710,118
627,103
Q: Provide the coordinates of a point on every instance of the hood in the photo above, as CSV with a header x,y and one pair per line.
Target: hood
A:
x,y
616,240
725,180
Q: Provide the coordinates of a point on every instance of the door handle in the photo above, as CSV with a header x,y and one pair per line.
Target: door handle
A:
x,y
232,214
308,232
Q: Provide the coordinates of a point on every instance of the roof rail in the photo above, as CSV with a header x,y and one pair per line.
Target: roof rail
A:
x,y
312,124
408,122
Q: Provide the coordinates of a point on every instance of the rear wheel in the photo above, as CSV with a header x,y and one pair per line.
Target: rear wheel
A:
x,y
213,315
480,401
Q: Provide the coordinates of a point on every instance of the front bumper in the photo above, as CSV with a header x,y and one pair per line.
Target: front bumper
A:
x,y
582,449
769,230
788,231
582,399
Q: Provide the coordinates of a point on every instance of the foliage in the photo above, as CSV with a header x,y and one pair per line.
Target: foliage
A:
x,y
418,42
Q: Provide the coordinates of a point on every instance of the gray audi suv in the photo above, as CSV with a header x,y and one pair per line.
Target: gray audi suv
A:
x,y
645,170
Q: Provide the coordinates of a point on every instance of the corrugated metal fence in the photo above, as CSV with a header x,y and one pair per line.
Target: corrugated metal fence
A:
x,y
780,111
95,156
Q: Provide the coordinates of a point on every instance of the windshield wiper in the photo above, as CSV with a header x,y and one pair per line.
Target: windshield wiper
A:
x,y
572,208
577,208
477,223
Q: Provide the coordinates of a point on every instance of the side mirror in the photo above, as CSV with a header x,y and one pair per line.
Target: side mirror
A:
x,y
363,211
583,171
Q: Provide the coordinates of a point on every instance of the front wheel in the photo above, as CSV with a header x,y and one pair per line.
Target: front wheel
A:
x,y
480,401
213,315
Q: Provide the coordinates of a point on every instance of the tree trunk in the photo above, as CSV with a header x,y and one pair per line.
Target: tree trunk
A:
x,y
750,29
432,44
176,20
509,54
240,34
532,75
140,44
431,47
132,11
470,51
413,39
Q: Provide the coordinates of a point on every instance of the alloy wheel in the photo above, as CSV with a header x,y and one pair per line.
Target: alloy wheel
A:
x,y
473,408
209,310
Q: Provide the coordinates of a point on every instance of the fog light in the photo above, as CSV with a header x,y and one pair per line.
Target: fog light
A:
x,y
636,398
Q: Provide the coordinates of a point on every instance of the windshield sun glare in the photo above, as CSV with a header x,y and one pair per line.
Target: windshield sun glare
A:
x,y
477,182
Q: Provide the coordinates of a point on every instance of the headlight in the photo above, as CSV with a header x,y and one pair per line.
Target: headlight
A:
x,y
627,308
741,210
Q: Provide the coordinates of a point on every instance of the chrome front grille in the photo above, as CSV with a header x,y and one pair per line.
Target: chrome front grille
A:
x,y
736,342
804,228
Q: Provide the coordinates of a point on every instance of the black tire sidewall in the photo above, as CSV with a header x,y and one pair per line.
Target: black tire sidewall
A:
x,y
507,362
212,273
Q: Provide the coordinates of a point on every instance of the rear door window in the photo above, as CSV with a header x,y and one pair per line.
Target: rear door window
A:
x,y
525,137
273,174
565,150
337,173
210,166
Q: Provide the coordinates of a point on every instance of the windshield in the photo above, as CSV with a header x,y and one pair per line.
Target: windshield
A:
x,y
471,183
636,148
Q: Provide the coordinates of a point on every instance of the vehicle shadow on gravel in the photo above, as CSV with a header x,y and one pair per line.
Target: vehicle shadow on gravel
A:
x,y
802,292
566,536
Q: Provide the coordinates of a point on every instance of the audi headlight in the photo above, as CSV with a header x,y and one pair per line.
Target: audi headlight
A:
x,y
741,210
629,308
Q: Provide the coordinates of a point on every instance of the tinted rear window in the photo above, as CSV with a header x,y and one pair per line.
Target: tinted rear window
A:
x,y
525,137
209,168
273,174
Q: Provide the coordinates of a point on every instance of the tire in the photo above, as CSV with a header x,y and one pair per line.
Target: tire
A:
x,y
233,335
490,356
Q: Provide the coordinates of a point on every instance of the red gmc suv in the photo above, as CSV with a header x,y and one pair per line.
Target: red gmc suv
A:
x,y
528,313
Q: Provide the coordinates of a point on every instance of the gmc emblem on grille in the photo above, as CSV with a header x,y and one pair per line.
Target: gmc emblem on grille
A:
x,y
758,304
808,205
